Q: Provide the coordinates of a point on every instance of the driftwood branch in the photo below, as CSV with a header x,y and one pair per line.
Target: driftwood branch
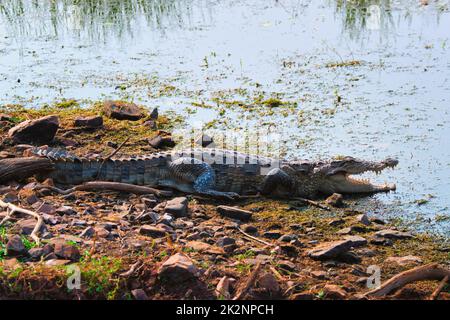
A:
x,y
13,209
21,168
440,287
431,271
112,186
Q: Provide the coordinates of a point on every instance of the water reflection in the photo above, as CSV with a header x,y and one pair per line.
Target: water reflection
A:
x,y
98,20
361,16
103,20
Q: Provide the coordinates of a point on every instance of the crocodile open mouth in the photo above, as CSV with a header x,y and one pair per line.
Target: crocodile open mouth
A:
x,y
349,181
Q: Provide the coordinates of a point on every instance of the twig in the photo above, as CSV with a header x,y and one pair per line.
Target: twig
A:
x,y
277,274
438,290
250,282
313,203
427,272
254,238
112,154
12,209
114,186
136,266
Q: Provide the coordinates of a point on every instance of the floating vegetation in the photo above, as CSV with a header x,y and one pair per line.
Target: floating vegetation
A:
x,y
342,64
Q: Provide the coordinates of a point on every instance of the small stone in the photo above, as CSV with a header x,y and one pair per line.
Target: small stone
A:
x,y
89,122
297,227
379,241
161,142
101,232
364,219
67,251
15,246
393,234
57,262
198,246
122,110
167,219
330,250
349,257
268,282
78,223
205,141
41,130
336,222
272,234
154,114
286,265
65,210
234,213
287,237
377,221
87,233
321,275
335,200
139,294
108,225
43,207
357,241
352,230
249,228
404,261
27,226
178,268
333,291
37,253
178,207
152,231
225,241
289,249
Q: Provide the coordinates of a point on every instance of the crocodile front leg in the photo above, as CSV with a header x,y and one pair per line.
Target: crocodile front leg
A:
x,y
278,182
200,174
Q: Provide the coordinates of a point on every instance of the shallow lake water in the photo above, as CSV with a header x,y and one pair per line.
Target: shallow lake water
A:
x,y
369,79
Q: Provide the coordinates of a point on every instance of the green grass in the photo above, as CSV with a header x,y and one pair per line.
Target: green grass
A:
x,y
98,274
3,239
27,243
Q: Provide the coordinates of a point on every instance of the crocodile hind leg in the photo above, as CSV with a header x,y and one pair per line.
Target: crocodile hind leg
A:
x,y
277,182
201,176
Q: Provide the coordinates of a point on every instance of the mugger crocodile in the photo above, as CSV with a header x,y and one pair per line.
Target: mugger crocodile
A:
x,y
222,173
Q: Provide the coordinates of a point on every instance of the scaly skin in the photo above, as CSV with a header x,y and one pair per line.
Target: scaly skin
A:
x,y
220,172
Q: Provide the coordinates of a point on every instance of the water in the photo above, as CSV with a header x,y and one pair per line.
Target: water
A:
x,y
181,54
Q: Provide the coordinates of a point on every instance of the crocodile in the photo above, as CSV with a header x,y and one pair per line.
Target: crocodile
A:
x,y
217,172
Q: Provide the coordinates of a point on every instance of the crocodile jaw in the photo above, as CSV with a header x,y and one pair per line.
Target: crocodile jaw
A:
x,y
344,183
